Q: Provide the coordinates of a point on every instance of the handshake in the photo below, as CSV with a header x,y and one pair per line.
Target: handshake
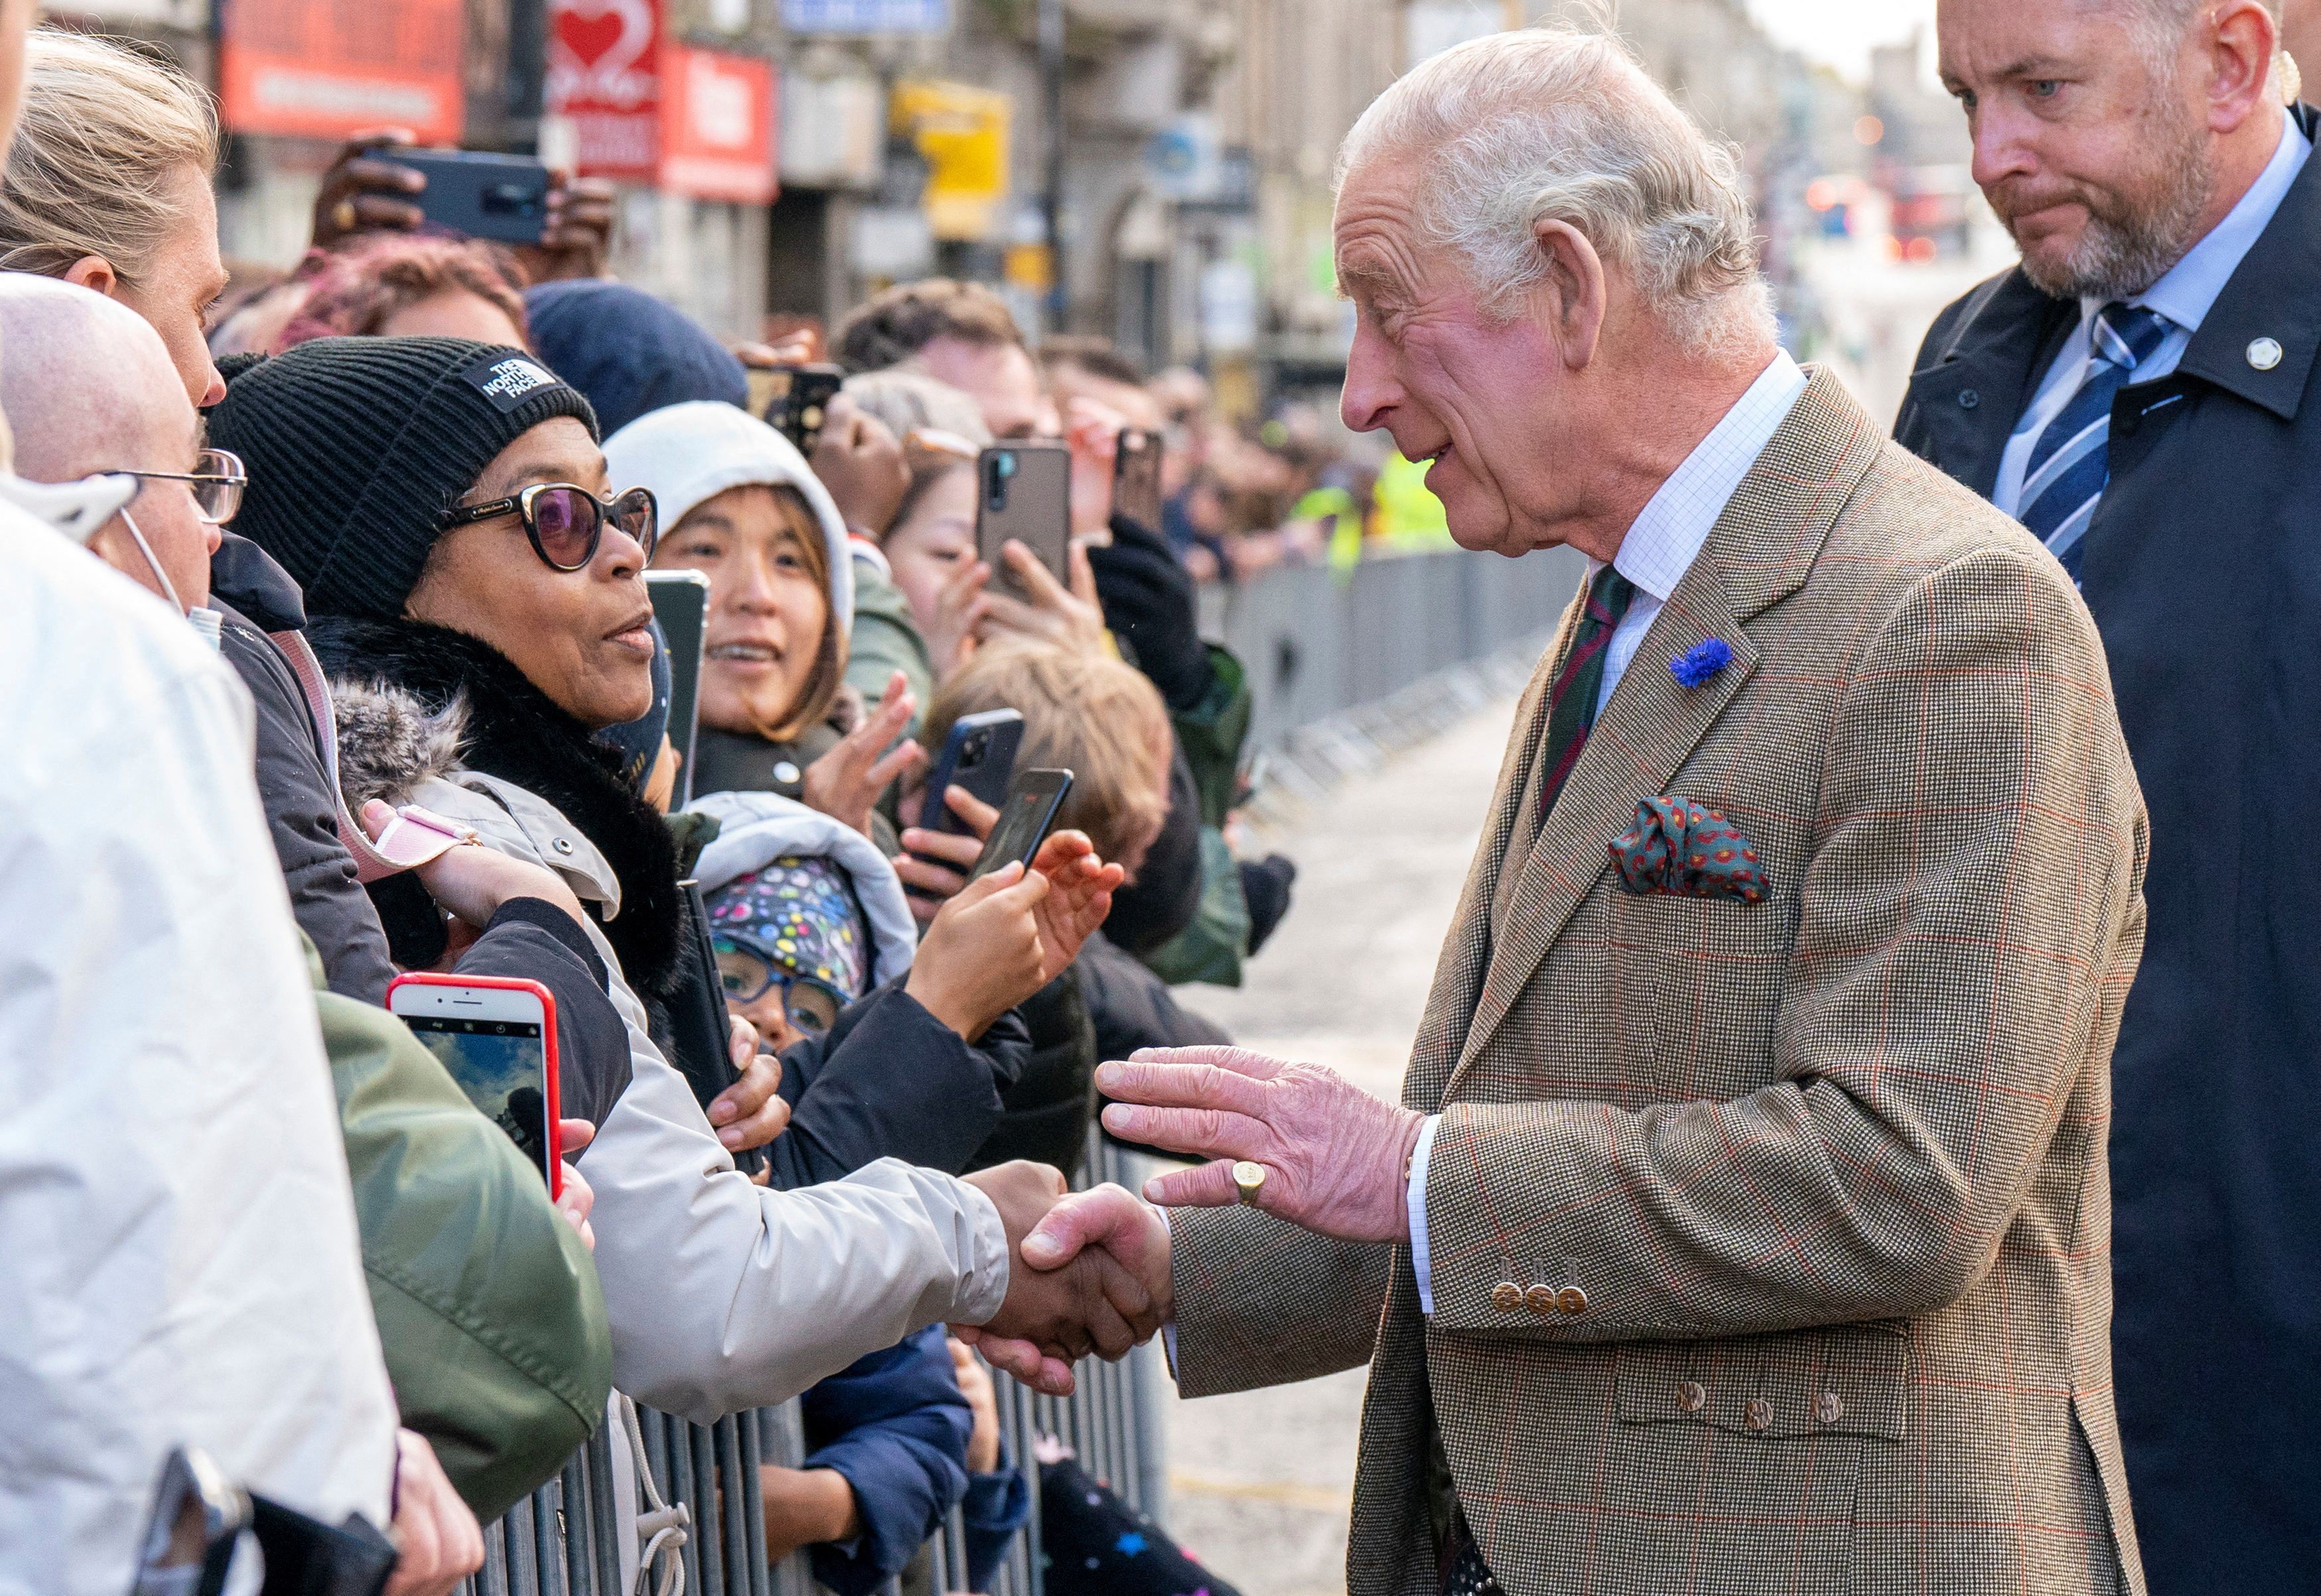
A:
x,y
1087,1273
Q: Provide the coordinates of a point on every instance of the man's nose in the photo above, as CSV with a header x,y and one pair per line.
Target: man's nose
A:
x,y
2002,147
1371,392
212,392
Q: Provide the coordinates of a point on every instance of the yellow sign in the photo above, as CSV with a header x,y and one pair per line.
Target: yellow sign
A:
x,y
962,133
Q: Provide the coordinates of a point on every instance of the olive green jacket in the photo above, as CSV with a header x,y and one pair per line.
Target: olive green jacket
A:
x,y
487,1304
1211,950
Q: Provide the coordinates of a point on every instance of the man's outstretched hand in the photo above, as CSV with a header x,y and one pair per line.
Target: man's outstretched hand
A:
x,y
1094,1280
1335,1157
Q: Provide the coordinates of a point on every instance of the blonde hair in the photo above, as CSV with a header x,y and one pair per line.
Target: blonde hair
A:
x,y
103,129
1088,714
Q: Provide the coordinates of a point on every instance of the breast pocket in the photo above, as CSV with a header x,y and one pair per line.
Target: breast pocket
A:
x,y
1695,990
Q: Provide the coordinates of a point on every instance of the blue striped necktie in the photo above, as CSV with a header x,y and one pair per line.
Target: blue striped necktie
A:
x,y
2065,479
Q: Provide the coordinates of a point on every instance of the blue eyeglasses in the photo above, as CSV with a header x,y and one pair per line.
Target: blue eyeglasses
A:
x,y
747,975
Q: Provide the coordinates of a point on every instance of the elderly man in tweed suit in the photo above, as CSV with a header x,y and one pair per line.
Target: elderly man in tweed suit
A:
x,y
1744,1225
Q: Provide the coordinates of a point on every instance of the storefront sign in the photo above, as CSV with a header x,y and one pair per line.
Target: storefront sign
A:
x,y
327,68
962,132
717,125
604,79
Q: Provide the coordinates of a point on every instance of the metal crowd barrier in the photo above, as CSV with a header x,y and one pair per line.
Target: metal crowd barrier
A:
x,y
1317,642
561,1541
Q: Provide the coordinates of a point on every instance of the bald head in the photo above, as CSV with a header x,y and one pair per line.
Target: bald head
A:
x,y
87,387
87,384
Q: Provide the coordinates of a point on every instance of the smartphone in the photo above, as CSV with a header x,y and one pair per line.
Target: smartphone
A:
x,y
496,1035
1136,477
979,755
680,602
798,401
1027,817
1024,492
501,197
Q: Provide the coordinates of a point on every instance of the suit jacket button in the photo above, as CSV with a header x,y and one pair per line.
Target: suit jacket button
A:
x,y
1969,399
1507,1296
1760,1414
1829,1408
1541,1299
1692,1396
1571,1299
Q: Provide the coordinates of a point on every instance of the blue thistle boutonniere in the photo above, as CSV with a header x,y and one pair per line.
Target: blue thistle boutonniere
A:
x,y
1695,665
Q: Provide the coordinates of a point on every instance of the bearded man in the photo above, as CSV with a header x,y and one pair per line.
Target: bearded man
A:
x,y
2134,392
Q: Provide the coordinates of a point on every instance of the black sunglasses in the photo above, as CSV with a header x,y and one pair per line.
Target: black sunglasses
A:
x,y
565,523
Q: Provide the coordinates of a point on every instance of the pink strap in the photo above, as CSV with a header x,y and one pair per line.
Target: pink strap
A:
x,y
416,836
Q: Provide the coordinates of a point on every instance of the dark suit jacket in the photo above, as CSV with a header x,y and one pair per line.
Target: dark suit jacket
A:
x,y
2203,571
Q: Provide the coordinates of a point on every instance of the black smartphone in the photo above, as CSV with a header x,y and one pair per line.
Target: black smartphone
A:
x,y
979,755
501,197
1136,477
1024,492
1027,817
798,401
680,602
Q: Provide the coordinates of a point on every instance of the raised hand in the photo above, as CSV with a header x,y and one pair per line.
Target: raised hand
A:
x,y
934,864
981,954
1335,1158
1055,1314
1069,618
846,781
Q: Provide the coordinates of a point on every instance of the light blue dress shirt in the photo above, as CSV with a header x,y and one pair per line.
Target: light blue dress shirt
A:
x,y
2185,296
1659,549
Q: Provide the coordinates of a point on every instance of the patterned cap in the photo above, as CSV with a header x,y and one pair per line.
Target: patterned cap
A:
x,y
800,912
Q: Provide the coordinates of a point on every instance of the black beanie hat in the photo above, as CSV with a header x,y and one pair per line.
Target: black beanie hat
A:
x,y
359,447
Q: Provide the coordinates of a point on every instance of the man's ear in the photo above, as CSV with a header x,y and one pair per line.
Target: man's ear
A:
x,y
2241,55
95,272
1572,291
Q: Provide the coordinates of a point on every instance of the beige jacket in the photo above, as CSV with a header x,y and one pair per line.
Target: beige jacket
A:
x,y
1817,1187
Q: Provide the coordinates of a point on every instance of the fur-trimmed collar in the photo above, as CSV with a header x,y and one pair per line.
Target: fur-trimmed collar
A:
x,y
513,731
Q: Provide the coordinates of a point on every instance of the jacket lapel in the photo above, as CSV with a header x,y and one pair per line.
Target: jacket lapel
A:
x,y
1969,397
1760,552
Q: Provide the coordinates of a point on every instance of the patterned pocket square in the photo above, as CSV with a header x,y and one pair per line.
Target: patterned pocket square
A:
x,y
1688,851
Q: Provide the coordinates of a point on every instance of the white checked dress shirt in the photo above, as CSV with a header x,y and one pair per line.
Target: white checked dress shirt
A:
x,y
1658,550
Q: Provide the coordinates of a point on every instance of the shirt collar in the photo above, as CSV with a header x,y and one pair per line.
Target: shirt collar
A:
x,y
1670,534
2190,287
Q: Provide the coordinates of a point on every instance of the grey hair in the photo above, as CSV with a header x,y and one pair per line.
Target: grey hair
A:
x,y
1536,123
2158,26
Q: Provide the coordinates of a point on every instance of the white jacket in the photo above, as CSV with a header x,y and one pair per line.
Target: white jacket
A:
x,y
179,1259
722,1295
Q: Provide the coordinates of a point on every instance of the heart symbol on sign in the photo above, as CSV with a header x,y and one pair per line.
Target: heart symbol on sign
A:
x,y
589,38
599,42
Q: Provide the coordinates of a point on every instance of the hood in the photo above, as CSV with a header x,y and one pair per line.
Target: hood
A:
x,y
245,578
688,454
423,694
755,829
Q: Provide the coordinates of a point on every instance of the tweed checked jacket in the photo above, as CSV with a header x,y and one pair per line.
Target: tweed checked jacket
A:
x,y
1828,1173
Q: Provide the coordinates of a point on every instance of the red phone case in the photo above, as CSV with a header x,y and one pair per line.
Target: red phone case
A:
x,y
547,1039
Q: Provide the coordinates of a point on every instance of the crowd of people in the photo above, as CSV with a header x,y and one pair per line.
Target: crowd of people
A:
x,y
358,558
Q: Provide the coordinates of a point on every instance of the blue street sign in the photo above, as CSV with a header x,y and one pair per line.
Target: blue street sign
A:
x,y
867,16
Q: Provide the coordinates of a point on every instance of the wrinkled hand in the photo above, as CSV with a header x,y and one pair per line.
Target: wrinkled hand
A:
x,y
437,1541
377,191
577,1197
861,463
981,956
752,1112
1055,1315
845,783
1335,1156
1110,1219
576,236
1068,618
473,883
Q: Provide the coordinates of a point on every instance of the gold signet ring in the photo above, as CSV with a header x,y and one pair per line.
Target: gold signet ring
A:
x,y
1249,1180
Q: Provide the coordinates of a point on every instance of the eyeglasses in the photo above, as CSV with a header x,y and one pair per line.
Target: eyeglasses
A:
x,y
811,1005
565,523
218,477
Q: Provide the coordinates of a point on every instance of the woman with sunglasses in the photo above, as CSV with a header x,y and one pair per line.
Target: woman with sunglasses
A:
x,y
447,510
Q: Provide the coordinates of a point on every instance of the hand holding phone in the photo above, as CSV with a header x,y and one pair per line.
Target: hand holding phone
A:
x,y
980,755
798,401
1023,492
501,197
1136,477
1033,799
497,1038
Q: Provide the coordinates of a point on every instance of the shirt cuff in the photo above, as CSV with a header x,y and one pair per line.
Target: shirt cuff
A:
x,y
1414,1202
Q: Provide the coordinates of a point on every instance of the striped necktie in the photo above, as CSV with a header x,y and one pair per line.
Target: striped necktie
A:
x,y
1571,701
2063,481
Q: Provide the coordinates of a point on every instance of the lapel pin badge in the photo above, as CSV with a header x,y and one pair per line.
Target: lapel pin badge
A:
x,y
1703,661
2264,353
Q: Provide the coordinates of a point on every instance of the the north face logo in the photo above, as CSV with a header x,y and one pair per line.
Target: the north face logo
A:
x,y
506,380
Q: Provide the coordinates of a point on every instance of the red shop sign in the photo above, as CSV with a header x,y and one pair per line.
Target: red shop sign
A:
x,y
327,68
604,74
717,125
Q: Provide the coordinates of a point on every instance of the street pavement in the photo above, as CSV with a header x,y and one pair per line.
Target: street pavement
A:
x,y
1260,1483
